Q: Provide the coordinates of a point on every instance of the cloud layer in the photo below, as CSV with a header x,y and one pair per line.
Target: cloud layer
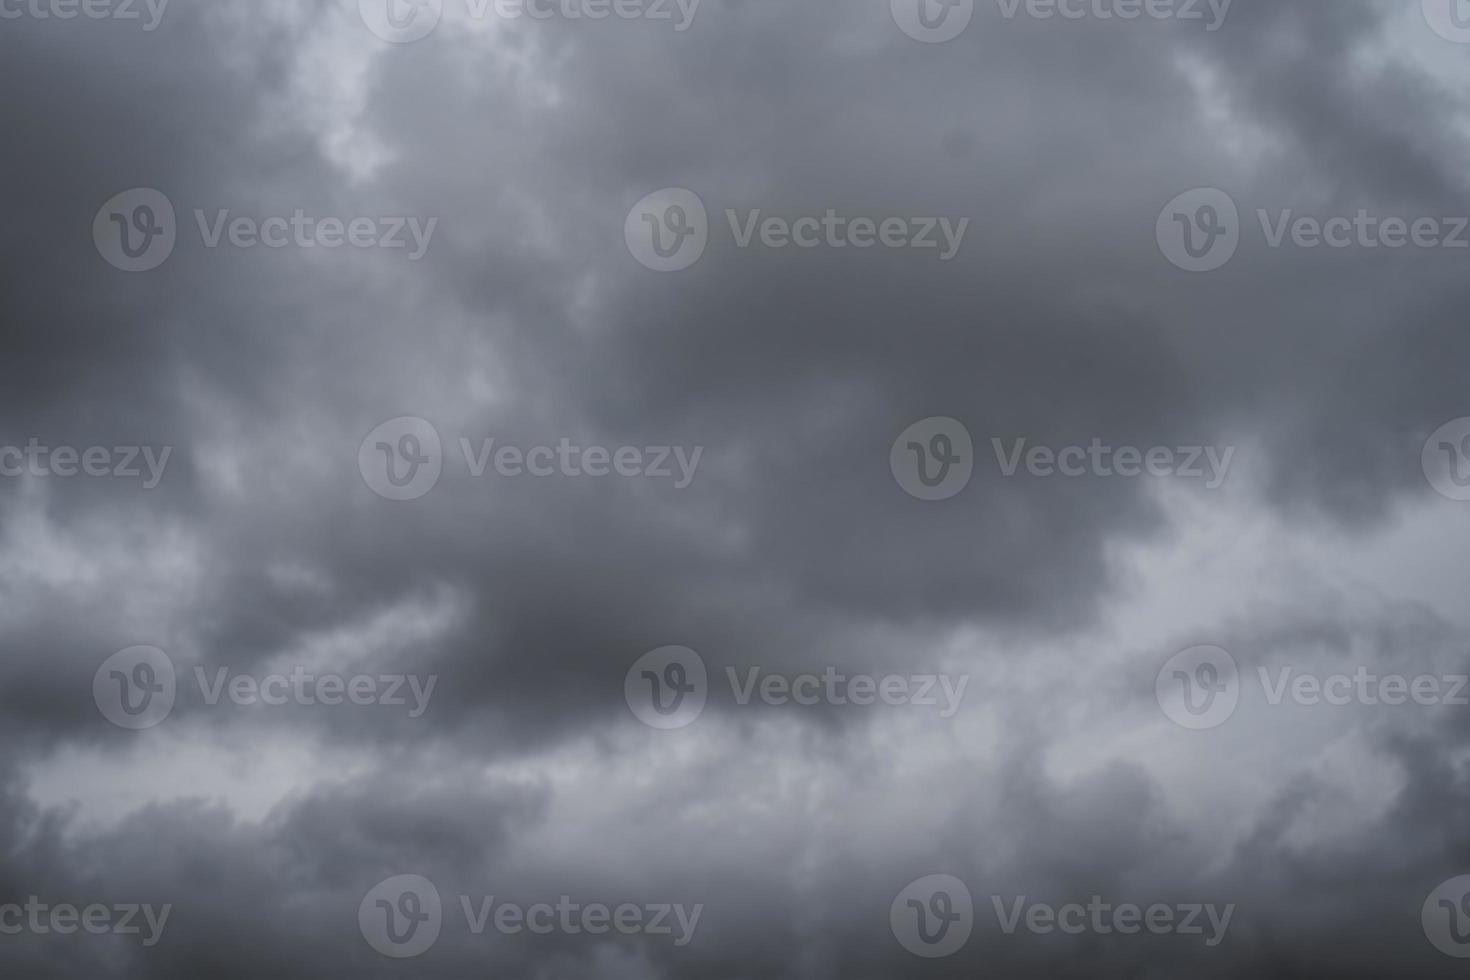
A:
x,y
264,552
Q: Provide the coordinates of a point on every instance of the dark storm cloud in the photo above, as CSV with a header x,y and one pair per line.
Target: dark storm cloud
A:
x,y
796,371
1352,376
794,548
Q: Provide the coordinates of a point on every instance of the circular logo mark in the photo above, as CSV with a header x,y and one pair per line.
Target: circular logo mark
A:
x,y
932,21
1199,230
1446,917
136,231
401,459
401,917
933,916
933,459
1450,19
1198,688
668,230
401,21
135,688
1446,459
667,688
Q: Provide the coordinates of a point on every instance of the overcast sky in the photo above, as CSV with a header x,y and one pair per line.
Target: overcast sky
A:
x,y
1037,398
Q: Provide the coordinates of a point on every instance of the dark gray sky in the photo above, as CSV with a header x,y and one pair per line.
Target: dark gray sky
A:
x,y
793,549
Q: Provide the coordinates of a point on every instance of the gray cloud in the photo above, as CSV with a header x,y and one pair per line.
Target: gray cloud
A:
x,y
794,549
